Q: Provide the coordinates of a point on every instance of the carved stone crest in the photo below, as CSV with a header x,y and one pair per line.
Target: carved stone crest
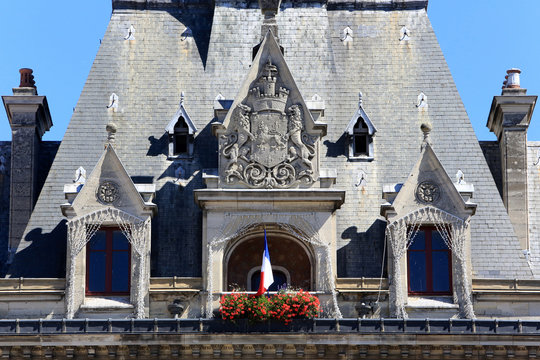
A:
x,y
108,192
427,192
267,145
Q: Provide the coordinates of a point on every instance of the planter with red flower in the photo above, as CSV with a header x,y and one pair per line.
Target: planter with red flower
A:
x,y
283,306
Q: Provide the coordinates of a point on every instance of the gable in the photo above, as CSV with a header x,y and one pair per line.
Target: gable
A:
x,y
269,138
428,184
109,185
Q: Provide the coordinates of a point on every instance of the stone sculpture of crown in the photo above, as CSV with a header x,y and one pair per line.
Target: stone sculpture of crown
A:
x,y
265,97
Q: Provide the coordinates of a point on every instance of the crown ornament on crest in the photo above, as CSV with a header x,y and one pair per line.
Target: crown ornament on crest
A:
x,y
265,97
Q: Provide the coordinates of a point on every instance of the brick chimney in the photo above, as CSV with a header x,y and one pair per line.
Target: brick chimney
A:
x,y
509,119
29,118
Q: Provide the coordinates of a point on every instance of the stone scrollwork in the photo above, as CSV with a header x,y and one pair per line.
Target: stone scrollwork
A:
x,y
267,145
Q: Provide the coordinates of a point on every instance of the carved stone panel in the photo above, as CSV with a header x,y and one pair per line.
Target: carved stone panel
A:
x,y
266,144
427,192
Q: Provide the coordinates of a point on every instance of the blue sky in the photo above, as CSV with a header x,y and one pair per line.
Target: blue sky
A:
x,y
59,39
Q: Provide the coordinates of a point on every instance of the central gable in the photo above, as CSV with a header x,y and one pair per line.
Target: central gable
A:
x,y
269,138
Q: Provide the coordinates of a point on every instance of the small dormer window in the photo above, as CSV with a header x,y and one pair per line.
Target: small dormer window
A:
x,y
181,132
181,137
360,132
360,138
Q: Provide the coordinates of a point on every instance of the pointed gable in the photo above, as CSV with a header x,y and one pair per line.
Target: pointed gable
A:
x,y
268,138
428,184
109,185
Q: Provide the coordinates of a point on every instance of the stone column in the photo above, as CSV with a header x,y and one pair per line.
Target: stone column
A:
x,y
29,118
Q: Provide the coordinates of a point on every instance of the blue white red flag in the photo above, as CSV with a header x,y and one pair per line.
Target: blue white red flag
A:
x,y
267,277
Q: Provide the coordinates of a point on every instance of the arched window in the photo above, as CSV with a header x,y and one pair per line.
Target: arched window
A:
x,y
291,263
181,137
429,264
360,138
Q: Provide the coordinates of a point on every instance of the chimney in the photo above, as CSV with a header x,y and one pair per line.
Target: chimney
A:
x,y
509,119
29,118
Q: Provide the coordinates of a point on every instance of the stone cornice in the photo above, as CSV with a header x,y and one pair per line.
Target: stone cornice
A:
x,y
262,200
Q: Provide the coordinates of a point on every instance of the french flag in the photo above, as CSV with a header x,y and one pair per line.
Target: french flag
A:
x,y
267,277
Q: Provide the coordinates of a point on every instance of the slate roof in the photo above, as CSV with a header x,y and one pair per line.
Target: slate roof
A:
x,y
533,192
149,73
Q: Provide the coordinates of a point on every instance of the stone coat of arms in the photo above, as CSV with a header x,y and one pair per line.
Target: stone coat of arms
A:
x,y
267,145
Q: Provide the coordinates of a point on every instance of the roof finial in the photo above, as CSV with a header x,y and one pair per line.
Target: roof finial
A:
x,y
426,129
360,99
269,9
111,133
182,97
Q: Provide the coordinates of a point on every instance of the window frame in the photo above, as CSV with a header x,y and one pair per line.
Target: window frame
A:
x,y
428,231
180,131
360,132
109,251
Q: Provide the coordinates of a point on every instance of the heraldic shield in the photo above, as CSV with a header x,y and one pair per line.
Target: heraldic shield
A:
x,y
269,147
268,138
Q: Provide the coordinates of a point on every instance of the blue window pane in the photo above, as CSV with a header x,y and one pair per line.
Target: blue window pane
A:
x,y
96,269
120,271
437,242
120,242
441,275
419,241
99,241
417,271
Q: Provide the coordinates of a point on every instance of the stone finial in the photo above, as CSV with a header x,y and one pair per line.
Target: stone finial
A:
x,y
404,32
182,97
113,102
111,132
360,99
361,178
80,176
186,34
347,35
27,79
426,129
460,177
421,101
130,33
269,9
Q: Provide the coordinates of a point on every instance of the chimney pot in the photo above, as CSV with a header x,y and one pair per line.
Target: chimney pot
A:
x,y
27,79
513,78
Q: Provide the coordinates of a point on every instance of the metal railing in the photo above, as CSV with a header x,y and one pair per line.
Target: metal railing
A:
x,y
316,326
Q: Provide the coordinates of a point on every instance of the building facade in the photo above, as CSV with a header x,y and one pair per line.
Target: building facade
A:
x,y
332,126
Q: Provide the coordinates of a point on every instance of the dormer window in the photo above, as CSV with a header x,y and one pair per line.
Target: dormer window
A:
x,y
181,132
180,137
360,138
360,132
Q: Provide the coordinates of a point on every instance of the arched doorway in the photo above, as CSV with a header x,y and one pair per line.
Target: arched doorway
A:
x,y
291,261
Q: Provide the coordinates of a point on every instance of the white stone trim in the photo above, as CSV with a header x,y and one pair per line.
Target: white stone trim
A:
x,y
138,233
455,232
